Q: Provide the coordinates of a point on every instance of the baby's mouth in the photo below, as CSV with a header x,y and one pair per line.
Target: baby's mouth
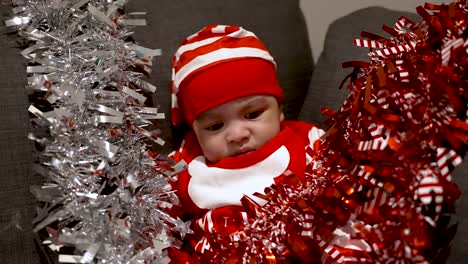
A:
x,y
242,152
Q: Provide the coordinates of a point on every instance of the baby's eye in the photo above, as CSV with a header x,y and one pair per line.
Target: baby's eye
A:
x,y
254,114
214,127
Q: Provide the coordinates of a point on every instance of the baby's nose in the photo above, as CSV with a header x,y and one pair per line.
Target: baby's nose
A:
x,y
238,133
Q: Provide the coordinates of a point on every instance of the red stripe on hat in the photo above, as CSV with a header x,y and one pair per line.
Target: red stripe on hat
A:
x,y
225,42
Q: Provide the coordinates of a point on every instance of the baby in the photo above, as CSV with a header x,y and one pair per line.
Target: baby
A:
x,y
226,89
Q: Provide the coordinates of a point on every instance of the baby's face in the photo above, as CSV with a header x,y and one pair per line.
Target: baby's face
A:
x,y
238,127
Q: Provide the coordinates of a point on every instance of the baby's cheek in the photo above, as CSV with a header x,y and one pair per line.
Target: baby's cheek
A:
x,y
269,131
213,149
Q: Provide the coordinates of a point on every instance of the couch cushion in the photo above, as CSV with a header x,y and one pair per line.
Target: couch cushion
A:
x,y
16,203
338,48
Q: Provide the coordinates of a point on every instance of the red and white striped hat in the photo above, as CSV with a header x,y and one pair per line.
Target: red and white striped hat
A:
x,y
216,65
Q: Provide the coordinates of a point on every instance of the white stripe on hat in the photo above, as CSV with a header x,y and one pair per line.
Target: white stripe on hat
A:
x,y
216,29
219,29
219,55
194,45
174,100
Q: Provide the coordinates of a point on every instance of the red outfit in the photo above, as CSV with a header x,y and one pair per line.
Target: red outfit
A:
x,y
211,192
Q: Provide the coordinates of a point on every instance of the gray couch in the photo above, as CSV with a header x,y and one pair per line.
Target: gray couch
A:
x,y
279,24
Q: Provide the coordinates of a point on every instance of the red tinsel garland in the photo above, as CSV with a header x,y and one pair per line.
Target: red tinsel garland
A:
x,y
379,189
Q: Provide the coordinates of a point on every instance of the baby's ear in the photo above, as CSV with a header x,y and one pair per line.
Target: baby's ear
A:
x,y
281,113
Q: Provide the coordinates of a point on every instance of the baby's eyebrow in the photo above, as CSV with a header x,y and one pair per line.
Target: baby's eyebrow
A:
x,y
255,101
248,103
206,116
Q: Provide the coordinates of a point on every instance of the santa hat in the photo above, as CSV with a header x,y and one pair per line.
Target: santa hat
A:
x,y
216,65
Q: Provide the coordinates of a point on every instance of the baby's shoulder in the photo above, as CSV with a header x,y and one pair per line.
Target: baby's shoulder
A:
x,y
300,127
305,130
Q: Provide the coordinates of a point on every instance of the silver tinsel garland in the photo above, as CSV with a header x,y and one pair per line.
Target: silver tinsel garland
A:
x,y
106,195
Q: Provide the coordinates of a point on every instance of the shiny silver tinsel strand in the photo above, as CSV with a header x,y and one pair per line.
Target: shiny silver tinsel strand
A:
x,y
106,196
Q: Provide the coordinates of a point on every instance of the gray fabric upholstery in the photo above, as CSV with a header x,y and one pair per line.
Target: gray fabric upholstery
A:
x,y
279,24
16,203
328,74
338,48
